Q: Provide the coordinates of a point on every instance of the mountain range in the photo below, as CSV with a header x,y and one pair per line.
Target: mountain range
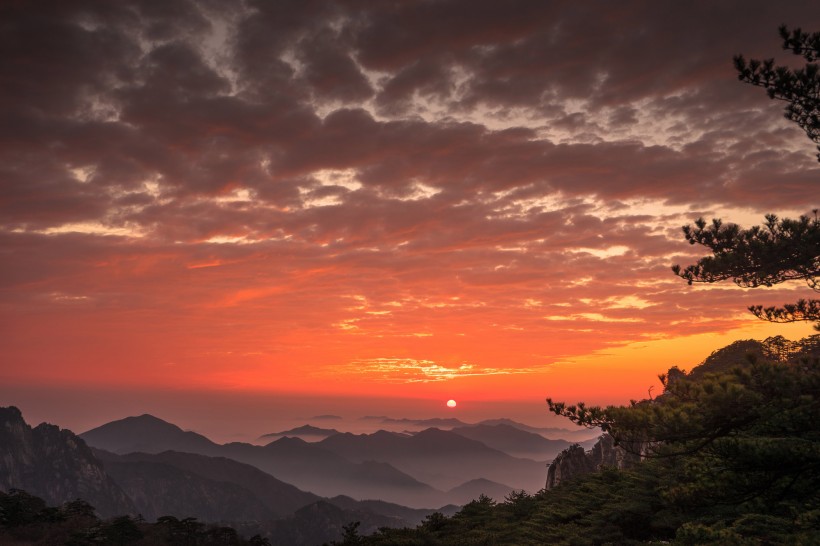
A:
x,y
413,469
290,489
551,433
58,466
440,458
172,482
513,441
300,463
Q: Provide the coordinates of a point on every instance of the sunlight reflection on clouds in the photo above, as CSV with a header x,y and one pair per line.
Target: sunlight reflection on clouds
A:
x,y
410,370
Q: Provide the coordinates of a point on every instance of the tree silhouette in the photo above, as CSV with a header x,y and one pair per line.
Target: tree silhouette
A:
x,y
779,251
800,88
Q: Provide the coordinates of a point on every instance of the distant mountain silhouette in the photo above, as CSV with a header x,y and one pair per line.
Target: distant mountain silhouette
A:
x,y
551,433
441,458
435,422
412,515
55,465
323,521
159,489
275,496
577,435
472,489
58,466
147,434
306,466
514,441
304,432
322,471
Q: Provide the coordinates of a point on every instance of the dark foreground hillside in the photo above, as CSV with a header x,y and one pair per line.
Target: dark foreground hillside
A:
x,y
27,519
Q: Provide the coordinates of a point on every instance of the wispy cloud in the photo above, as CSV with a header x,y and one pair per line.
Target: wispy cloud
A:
x,y
409,370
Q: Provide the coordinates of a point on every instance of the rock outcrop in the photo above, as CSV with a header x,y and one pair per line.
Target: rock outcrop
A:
x,y
574,461
55,465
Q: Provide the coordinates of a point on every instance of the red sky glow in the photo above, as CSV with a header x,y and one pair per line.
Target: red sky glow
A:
x,y
428,200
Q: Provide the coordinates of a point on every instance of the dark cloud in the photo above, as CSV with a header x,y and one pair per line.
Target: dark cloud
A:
x,y
292,171
329,70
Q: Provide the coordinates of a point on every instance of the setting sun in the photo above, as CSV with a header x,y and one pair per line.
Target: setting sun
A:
x,y
451,403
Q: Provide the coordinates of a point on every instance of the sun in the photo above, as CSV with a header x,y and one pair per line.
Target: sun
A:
x,y
451,403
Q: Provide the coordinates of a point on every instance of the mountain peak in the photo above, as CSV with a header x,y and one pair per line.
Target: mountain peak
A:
x,y
145,433
10,412
305,431
148,417
54,464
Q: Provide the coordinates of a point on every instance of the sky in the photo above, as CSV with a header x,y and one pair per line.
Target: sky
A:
x,y
373,207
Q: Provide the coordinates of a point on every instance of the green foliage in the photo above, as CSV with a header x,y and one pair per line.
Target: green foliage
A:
x,y
781,250
18,508
258,540
610,507
121,530
785,249
754,431
350,535
734,445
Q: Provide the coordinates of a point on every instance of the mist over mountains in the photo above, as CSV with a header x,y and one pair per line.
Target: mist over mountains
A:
x,y
415,469
288,488
577,435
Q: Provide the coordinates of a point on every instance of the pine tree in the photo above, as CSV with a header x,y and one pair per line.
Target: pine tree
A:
x,y
800,88
781,250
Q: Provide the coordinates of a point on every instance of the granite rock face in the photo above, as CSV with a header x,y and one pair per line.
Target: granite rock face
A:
x,y
55,465
574,461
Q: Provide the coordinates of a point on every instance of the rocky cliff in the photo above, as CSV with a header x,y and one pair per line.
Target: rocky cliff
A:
x,y
56,465
574,461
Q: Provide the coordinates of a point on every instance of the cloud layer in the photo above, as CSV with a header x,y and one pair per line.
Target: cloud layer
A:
x,y
406,191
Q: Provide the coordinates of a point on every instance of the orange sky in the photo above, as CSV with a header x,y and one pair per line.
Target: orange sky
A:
x,y
318,203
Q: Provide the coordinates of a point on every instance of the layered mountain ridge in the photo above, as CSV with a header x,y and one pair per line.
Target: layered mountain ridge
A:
x,y
58,466
413,469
